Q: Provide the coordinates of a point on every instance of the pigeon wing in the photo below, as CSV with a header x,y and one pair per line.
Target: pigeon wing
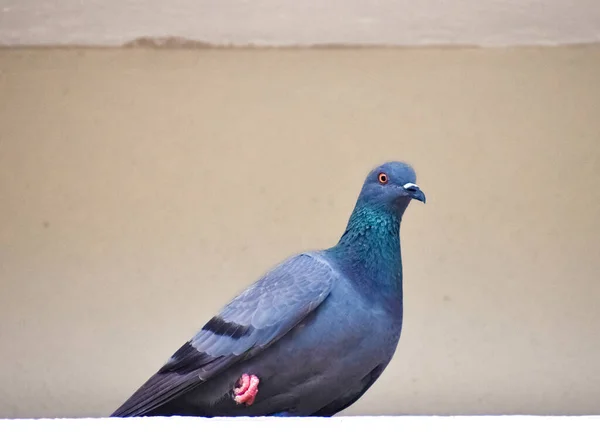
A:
x,y
246,326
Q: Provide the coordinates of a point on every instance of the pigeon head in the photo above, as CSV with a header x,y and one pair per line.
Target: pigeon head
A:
x,y
391,186
370,245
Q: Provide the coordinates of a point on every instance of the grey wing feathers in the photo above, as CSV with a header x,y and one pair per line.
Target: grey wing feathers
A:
x,y
247,325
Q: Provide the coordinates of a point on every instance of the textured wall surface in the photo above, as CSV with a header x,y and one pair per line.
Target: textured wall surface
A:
x,y
306,22
140,190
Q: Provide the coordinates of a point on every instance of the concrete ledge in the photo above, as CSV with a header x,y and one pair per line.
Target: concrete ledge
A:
x,y
414,426
276,23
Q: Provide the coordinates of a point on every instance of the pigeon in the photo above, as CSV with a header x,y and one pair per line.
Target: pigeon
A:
x,y
309,337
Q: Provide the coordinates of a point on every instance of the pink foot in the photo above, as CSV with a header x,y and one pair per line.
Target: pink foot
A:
x,y
246,392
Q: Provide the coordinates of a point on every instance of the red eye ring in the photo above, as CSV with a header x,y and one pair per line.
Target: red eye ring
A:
x,y
382,178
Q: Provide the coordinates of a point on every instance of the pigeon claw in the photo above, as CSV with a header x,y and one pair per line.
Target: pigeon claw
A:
x,y
246,392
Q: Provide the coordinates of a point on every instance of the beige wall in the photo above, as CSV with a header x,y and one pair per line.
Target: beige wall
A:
x,y
140,190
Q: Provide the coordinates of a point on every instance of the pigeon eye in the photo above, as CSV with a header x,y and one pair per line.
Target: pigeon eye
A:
x,y
383,178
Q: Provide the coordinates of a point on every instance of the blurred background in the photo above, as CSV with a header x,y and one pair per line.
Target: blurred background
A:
x,y
156,159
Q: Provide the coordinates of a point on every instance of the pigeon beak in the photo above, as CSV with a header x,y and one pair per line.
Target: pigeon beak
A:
x,y
415,192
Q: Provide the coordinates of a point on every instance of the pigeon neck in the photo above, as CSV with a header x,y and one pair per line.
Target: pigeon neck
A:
x,y
371,245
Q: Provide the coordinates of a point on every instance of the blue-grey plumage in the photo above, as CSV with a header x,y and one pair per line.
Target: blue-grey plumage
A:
x,y
316,331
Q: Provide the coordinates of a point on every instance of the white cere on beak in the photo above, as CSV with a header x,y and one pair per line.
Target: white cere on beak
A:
x,y
409,185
